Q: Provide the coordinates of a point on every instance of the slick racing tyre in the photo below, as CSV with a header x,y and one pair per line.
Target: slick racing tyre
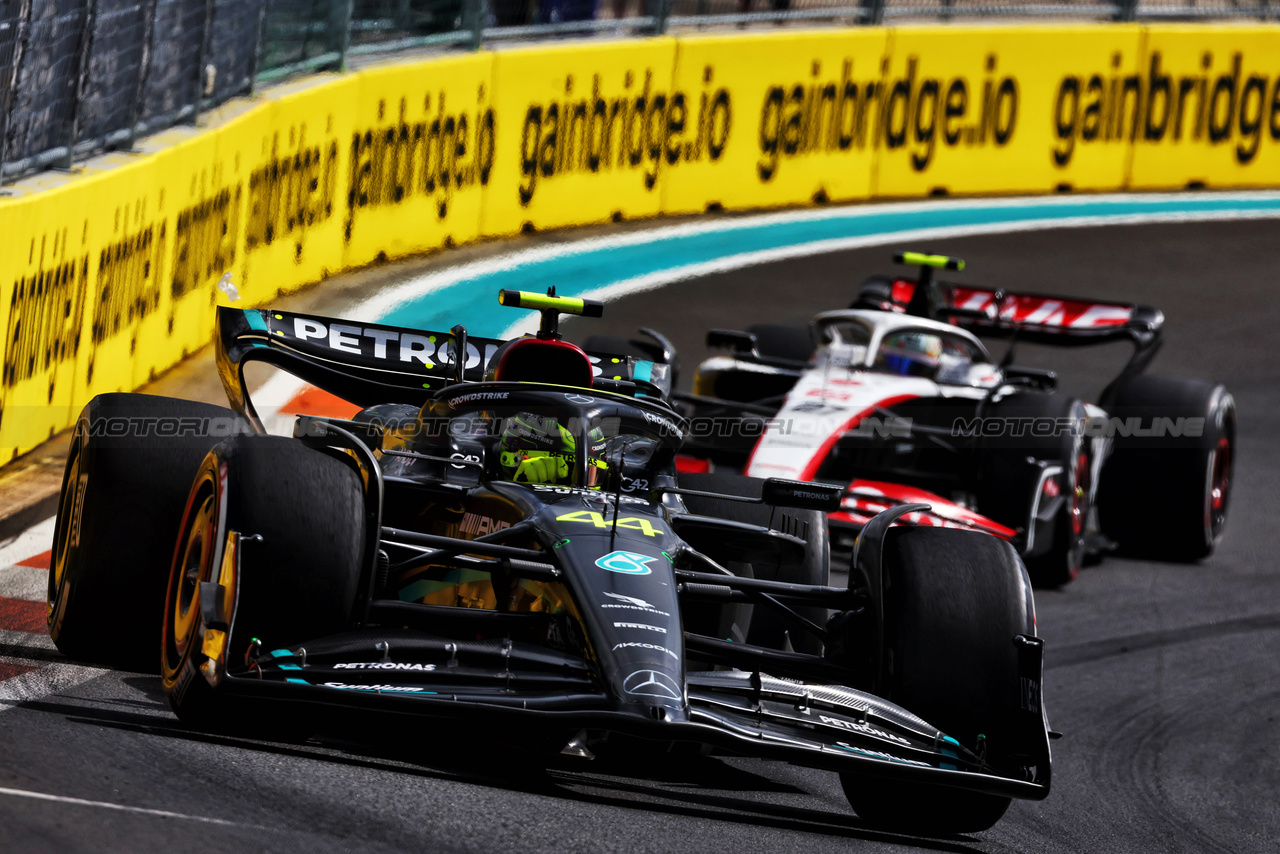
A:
x,y
954,601
1166,496
130,464
300,514
768,628
1010,488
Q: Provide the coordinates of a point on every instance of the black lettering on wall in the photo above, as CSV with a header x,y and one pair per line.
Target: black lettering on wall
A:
x,y
1223,108
448,151
204,245
46,315
911,111
290,194
127,281
639,129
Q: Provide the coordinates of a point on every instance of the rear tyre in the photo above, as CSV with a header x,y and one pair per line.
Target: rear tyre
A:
x,y
954,601
1008,485
767,627
128,471
296,583
1166,497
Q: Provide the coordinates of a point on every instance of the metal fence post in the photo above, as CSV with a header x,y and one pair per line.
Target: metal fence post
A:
x,y
347,10
22,23
874,12
82,80
661,11
256,62
144,69
1127,10
206,36
474,13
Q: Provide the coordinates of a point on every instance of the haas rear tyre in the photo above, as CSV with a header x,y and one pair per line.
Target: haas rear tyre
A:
x,y
769,628
300,513
954,602
129,468
1166,496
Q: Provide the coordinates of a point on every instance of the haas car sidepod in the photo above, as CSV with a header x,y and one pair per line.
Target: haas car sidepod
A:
x,y
407,560
897,400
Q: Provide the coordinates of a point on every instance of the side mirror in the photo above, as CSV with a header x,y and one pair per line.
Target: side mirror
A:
x,y
1036,377
801,495
739,342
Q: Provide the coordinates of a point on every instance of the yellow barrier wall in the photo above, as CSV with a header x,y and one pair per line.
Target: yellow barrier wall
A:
x,y
793,129
109,276
1209,108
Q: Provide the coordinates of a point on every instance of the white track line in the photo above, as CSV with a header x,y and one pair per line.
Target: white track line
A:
x,y
42,681
62,799
31,542
24,582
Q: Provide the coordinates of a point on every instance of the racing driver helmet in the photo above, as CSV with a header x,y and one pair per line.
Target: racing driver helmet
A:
x,y
538,449
910,353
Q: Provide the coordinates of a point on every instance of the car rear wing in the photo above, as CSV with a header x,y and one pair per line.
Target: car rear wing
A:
x,y
367,363
1038,318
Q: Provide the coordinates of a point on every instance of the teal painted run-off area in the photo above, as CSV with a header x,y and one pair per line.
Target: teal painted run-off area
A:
x,y
576,270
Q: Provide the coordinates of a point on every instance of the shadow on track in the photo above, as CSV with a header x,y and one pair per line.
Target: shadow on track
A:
x,y
629,781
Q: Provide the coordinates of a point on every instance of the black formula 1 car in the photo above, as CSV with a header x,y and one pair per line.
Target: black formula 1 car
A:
x,y
897,400
501,536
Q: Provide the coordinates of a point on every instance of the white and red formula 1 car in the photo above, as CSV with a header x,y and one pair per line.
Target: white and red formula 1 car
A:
x,y
897,399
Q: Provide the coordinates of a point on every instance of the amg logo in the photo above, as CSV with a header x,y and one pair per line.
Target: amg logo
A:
x,y
640,626
477,525
863,728
381,665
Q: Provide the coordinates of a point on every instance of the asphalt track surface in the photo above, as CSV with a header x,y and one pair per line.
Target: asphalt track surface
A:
x,y
1164,678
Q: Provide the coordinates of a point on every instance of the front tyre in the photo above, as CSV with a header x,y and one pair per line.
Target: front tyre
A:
x,y
128,471
300,513
954,601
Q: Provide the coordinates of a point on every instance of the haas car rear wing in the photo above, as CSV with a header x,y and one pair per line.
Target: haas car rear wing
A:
x,y
367,364
1037,318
